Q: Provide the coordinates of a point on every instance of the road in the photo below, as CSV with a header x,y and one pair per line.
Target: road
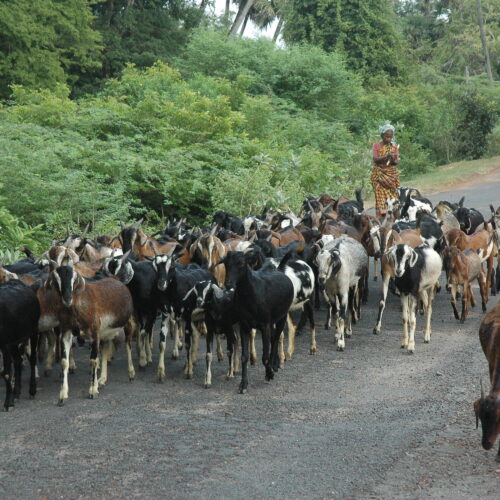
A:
x,y
370,422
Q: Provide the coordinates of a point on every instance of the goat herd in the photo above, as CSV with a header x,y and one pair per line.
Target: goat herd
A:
x,y
247,273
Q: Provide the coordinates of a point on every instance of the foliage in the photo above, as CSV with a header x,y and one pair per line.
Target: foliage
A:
x,y
45,43
14,233
364,30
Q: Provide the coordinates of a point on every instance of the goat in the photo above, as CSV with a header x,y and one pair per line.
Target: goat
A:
x,y
100,308
417,272
302,277
479,240
133,238
487,409
386,240
406,197
461,269
219,316
342,266
468,218
495,223
140,278
261,299
211,250
19,315
174,282
228,221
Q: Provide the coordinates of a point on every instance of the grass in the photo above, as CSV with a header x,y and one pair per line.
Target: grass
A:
x,y
452,175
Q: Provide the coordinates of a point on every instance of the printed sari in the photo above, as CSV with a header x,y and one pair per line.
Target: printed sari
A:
x,y
384,178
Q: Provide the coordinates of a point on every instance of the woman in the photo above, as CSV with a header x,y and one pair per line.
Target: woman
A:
x,y
385,175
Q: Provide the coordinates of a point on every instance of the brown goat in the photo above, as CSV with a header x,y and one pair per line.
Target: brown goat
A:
x,y
461,269
212,251
480,240
487,408
100,309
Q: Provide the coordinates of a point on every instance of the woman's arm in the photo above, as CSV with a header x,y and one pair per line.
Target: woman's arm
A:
x,y
379,159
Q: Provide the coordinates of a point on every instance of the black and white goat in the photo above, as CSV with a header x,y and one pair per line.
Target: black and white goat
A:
x,y
262,300
217,308
174,282
140,278
343,266
468,218
417,272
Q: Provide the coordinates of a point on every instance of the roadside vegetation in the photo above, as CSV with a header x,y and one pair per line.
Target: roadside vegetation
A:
x,y
112,110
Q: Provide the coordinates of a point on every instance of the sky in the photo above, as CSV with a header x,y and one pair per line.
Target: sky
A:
x,y
251,30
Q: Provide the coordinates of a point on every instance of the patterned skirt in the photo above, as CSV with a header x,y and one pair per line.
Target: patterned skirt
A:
x,y
385,181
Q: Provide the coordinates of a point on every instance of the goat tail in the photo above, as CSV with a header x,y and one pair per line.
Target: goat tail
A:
x,y
284,261
28,252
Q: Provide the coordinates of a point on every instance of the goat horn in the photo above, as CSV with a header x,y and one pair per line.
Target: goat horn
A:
x,y
137,225
85,231
122,225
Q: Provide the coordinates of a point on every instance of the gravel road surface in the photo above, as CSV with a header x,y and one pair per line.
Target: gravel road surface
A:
x,y
370,422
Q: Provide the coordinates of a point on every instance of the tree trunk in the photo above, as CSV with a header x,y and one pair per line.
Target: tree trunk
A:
x,y
226,10
277,31
244,25
240,17
483,40
203,4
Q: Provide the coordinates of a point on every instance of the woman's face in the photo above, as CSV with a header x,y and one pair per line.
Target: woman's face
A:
x,y
387,137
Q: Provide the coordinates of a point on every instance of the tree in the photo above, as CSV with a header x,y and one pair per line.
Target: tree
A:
x,y
143,31
46,43
364,30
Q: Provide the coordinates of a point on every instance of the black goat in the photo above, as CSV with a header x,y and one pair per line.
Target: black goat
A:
x,y
262,299
468,218
19,314
229,221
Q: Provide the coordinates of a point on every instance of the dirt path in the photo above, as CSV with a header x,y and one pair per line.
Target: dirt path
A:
x,y
370,422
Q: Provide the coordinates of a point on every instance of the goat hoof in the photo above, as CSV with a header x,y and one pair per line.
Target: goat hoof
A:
x,y
241,391
71,371
426,341
142,368
312,351
376,331
60,402
207,386
484,308
175,357
462,320
339,348
47,373
411,351
189,376
5,408
32,396
375,278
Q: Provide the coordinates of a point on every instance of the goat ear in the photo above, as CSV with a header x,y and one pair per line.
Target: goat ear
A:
x,y
122,225
461,202
413,257
79,285
137,225
125,256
